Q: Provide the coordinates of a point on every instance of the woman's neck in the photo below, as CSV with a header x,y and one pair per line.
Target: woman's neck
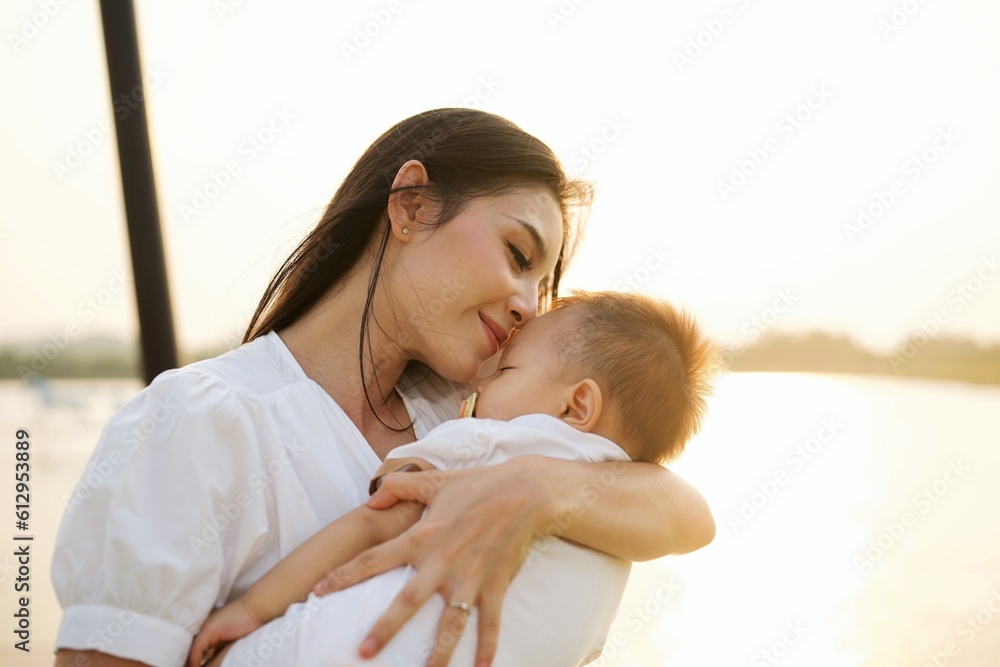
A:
x,y
325,343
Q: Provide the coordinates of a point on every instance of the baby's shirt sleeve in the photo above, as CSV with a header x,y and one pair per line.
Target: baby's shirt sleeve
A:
x,y
473,442
161,520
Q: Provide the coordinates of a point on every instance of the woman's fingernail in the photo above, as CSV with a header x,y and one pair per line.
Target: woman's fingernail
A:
x,y
483,663
369,647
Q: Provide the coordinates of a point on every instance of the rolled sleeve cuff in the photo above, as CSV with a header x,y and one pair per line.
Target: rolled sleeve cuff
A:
x,y
124,634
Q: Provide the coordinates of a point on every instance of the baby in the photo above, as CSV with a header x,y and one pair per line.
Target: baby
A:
x,y
602,368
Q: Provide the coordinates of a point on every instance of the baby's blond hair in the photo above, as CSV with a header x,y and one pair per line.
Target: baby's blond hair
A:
x,y
651,360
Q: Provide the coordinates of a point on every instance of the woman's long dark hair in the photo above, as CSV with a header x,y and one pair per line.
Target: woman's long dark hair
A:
x,y
467,154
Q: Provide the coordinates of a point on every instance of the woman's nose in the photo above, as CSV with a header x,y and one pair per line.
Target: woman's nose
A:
x,y
524,304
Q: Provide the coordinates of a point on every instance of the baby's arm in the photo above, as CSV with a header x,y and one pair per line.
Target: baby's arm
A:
x,y
291,579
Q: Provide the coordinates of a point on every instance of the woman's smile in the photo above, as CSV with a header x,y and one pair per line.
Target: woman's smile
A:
x,y
495,334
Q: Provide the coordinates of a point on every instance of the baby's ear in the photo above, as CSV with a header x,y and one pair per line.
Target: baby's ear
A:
x,y
583,405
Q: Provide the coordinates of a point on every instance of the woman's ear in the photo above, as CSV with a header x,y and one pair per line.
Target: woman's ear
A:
x,y
583,405
407,208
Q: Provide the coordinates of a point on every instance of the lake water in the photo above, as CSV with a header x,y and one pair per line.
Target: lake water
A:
x,y
858,525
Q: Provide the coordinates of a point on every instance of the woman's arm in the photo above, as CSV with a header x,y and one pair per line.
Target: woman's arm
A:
x,y
482,522
636,511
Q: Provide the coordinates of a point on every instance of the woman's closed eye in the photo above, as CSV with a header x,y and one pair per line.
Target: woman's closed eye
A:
x,y
520,258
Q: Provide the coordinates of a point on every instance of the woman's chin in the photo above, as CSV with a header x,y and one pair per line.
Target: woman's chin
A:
x,y
459,370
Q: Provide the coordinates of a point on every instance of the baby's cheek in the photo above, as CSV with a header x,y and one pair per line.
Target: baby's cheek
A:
x,y
490,406
484,410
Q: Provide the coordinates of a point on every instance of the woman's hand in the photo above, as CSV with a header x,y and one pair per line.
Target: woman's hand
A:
x,y
481,523
222,626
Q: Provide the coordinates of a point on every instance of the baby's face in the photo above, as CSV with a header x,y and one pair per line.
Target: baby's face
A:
x,y
527,377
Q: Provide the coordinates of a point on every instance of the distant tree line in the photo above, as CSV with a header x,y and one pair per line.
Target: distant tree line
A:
x,y
928,357
941,358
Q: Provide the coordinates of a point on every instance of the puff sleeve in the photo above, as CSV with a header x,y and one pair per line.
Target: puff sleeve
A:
x,y
162,519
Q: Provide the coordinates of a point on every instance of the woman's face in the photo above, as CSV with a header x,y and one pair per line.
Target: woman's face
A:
x,y
466,284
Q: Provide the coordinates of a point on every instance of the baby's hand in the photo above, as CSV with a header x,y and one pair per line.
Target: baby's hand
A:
x,y
223,625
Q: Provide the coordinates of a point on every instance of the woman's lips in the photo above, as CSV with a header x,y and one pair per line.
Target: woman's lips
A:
x,y
492,337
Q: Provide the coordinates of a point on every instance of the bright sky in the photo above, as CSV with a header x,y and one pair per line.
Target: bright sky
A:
x,y
833,101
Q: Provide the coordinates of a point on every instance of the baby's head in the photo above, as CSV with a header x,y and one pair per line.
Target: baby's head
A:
x,y
628,367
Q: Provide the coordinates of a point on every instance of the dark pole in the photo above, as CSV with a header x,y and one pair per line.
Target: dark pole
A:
x,y
152,293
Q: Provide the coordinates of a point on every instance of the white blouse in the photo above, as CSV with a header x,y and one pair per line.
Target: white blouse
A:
x,y
556,612
200,484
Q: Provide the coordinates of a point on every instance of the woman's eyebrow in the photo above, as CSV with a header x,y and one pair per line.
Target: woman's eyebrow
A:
x,y
536,237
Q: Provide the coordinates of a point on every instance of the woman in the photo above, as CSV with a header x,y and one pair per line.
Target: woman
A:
x,y
451,230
